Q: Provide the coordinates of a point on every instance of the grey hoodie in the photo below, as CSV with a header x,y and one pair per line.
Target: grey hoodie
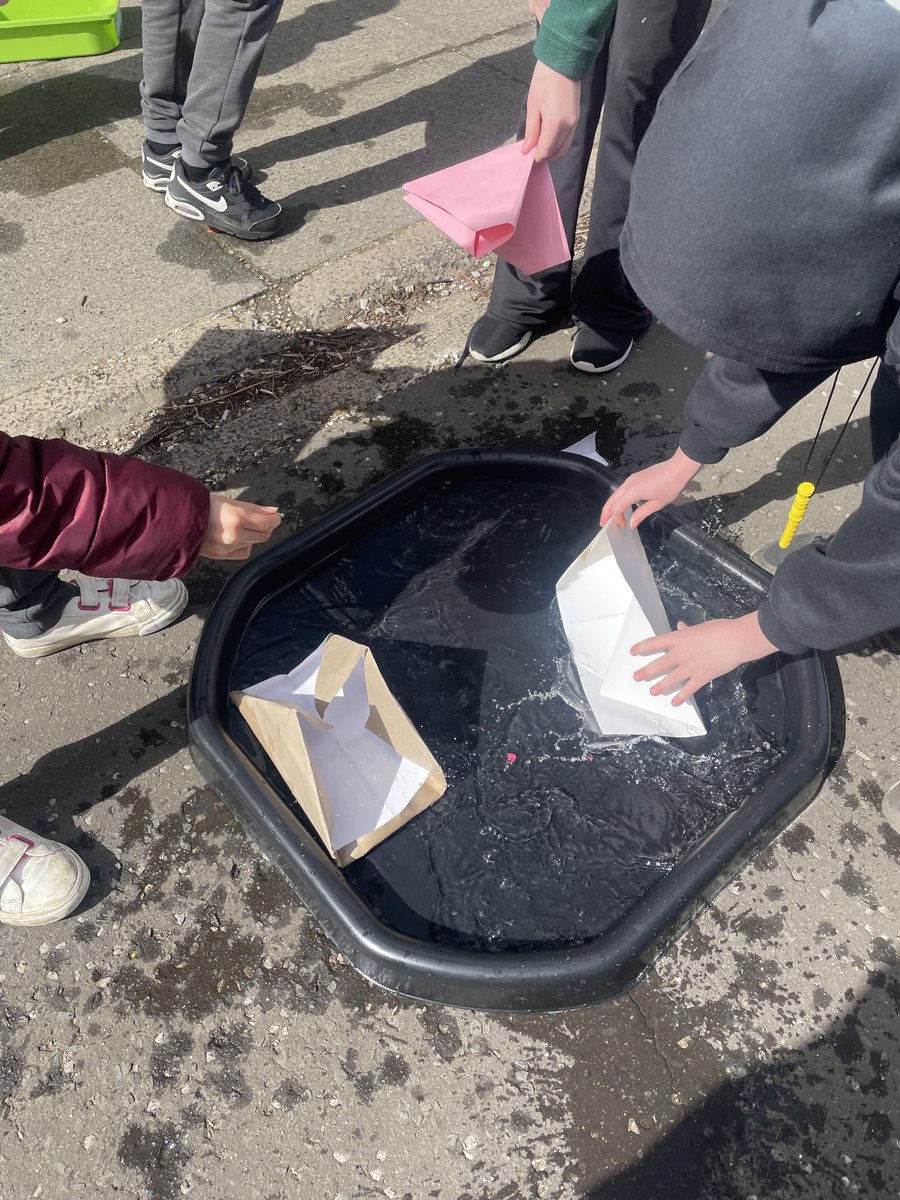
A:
x,y
765,226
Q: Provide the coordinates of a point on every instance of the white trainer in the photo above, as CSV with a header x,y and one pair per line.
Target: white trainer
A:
x,y
108,608
40,881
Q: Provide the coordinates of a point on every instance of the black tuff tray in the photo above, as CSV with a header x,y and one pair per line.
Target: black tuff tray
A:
x,y
560,863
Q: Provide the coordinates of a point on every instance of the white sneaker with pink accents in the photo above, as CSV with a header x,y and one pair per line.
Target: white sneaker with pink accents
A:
x,y
108,608
40,881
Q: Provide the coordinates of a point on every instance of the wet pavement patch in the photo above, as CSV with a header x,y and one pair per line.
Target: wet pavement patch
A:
x,y
156,1151
167,1057
12,1065
205,967
228,1047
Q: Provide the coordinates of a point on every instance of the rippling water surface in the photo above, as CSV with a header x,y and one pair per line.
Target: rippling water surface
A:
x,y
548,831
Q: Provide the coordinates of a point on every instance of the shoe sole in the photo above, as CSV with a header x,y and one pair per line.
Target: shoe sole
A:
x,y
504,355
155,185
64,908
161,622
590,370
192,213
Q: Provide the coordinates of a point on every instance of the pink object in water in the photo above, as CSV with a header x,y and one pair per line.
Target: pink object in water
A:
x,y
502,201
511,757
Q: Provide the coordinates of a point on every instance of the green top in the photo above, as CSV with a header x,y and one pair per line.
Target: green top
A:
x,y
572,34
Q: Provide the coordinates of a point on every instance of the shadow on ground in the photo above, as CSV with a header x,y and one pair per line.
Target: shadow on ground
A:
x,y
71,779
49,125
818,1121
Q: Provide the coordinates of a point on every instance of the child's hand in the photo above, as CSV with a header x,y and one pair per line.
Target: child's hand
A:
x,y
554,102
653,488
537,8
696,654
235,527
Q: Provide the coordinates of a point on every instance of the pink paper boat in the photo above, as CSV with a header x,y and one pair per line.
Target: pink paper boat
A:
x,y
502,201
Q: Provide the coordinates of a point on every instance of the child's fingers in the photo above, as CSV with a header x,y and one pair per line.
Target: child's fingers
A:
x,y
653,670
655,645
689,689
614,508
643,511
253,537
676,678
254,517
545,143
532,126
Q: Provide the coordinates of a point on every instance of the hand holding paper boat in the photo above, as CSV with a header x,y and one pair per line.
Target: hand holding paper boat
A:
x,y
608,601
502,201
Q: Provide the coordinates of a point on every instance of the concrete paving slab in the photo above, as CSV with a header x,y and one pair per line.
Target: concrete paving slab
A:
x,y
50,115
81,295
454,24
103,405
510,53
328,297
339,176
330,45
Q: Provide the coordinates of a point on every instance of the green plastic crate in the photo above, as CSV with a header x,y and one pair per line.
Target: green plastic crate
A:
x,y
39,29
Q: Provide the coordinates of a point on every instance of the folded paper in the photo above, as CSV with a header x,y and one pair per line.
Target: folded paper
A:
x,y
502,201
587,448
344,746
608,601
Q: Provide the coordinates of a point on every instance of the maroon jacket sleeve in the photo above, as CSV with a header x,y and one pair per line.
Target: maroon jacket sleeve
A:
x,y
65,507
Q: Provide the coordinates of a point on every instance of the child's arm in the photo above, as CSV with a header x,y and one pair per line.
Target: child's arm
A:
x,y
730,404
825,595
62,506
570,36
572,33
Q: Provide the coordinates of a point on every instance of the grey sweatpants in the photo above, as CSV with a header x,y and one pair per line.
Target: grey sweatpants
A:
x,y
201,59
31,602
645,46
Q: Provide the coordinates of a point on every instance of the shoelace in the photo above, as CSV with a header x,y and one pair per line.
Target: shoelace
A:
x,y
233,187
119,593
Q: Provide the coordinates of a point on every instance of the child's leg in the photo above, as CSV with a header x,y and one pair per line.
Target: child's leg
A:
x,y
649,40
31,602
884,412
229,50
169,32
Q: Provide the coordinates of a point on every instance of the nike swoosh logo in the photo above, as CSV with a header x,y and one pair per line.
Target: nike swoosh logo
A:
x,y
219,205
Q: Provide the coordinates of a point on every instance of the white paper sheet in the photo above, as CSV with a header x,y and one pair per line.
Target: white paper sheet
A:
x,y
363,782
587,448
608,600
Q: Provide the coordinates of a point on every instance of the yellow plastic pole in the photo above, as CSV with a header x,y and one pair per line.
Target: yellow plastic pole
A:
x,y
798,512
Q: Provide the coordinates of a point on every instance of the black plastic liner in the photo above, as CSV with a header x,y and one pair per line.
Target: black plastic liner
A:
x,y
560,862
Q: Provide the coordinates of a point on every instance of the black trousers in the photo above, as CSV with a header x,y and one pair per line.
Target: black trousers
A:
x,y
646,44
733,403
